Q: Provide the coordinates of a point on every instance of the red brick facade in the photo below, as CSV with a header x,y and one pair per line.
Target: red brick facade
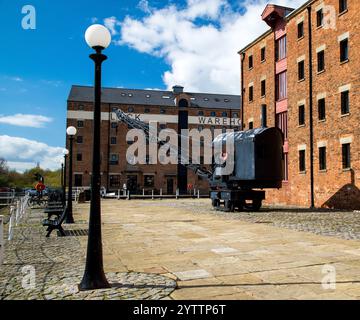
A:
x,y
335,180
116,172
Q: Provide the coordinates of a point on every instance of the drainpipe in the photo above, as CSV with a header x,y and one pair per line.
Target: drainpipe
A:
x,y
275,88
108,151
242,90
312,201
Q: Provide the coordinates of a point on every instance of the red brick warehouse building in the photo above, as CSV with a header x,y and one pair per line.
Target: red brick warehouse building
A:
x,y
171,109
306,70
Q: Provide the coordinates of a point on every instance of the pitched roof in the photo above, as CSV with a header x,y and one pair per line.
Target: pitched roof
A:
x,y
154,97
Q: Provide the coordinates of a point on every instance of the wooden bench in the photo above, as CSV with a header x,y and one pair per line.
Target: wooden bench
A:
x,y
54,212
54,208
55,224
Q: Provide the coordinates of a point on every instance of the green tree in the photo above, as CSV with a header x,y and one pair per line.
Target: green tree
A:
x,y
4,170
13,179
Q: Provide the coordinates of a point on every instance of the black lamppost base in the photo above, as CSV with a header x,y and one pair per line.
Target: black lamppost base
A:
x,y
94,282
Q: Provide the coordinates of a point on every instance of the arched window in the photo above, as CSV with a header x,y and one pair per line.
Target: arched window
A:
x,y
183,103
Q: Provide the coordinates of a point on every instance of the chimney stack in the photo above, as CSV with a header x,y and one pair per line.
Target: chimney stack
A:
x,y
178,89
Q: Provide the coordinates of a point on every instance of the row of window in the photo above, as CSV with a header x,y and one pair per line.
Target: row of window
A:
x,y
280,86
281,78
80,123
345,108
114,157
344,57
148,95
113,140
262,57
115,180
281,44
262,90
200,113
345,153
343,6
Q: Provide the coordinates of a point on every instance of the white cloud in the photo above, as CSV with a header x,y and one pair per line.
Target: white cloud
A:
x,y
156,89
20,166
111,23
201,56
203,8
21,153
17,79
143,5
55,83
26,120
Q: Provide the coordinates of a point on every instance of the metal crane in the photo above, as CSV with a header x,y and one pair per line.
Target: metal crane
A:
x,y
138,124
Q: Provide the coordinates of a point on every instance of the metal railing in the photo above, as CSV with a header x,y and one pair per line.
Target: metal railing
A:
x,y
6,198
17,212
158,194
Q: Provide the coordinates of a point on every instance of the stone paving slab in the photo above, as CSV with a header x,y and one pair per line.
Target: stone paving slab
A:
x,y
264,261
57,264
207,254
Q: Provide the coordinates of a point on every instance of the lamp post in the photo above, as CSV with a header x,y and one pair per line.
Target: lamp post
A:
x,y
65,153
98,38
62,179
71,132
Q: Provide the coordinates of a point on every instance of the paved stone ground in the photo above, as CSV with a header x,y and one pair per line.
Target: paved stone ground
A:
x,y
342,224
211,255
58,263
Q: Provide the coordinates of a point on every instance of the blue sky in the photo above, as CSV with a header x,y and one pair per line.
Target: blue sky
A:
x,y
156,44
37,67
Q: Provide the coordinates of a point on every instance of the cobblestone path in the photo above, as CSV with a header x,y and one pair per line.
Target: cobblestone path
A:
x,y
58,264
341,224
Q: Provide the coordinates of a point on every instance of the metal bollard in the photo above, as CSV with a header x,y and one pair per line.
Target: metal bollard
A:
x,y
143,192
118,195
177,193
1,240
18,212
161,193
198,194
152,194
128,195
11,225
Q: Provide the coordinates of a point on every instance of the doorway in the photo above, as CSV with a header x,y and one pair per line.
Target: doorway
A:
x,y
132,183
78,180
170,186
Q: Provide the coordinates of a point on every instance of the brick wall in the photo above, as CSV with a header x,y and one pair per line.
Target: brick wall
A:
x,y
335,186
161,172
